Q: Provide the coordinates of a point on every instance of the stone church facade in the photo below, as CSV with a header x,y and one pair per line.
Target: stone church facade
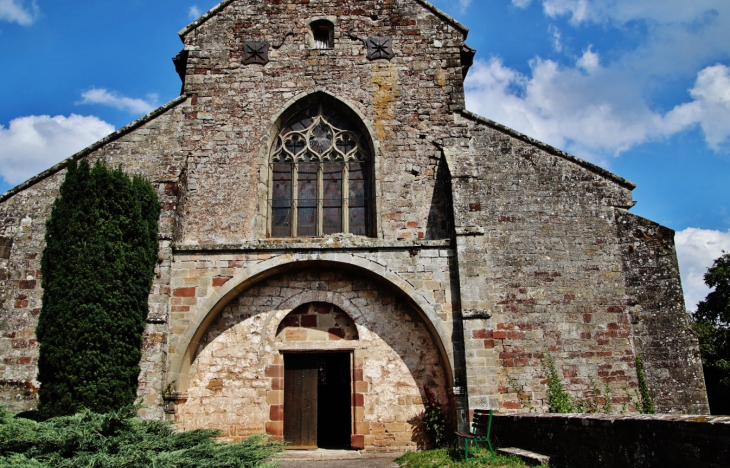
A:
x,y
340,234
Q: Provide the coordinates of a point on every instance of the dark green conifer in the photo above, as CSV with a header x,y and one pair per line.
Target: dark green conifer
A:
x,y
97,267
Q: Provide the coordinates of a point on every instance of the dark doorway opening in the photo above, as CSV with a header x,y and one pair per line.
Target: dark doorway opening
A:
x,y
317,400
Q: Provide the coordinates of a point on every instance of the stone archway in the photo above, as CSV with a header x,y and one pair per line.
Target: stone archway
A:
x,y
237,374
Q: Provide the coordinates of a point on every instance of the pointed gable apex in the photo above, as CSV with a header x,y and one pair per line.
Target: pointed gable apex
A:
x,y
428,5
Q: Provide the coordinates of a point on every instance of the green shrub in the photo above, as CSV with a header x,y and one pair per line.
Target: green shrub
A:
x,y
434,419
120,439
97,267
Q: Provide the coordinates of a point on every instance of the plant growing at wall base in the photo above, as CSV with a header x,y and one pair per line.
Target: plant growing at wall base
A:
x,y
559,401
646,403
434,419
97,267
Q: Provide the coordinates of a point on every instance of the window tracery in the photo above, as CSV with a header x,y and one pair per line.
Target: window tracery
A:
x,y
320,173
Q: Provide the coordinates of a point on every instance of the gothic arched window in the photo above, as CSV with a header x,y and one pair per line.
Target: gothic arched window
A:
x,y
320,176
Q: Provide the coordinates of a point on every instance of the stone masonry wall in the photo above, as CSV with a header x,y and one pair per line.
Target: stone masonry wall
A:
x,y
408,102
540,271
667,345
236,379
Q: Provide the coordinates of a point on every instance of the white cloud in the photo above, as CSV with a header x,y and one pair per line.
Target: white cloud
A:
x,y
710,108
623,11
599,106
696,250
521,3
194,12
118,101
22,12
589,61
34,143
557,38
595,114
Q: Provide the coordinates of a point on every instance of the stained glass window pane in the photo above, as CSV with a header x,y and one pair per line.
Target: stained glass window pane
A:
x,y
358,196
281,200
332,178
307,200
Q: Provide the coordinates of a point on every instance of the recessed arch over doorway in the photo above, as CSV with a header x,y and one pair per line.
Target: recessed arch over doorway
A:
x,y
237,377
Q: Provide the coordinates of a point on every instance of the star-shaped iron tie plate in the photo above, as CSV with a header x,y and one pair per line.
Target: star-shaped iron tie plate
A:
x,y
255,52
380,48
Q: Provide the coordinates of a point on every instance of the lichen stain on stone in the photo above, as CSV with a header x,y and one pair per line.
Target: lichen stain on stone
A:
x,y
385,79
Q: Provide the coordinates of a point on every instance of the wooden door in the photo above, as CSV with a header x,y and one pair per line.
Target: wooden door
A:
x,y
300,401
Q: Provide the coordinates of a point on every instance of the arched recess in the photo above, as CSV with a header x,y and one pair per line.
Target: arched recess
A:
x,y
289,109
182,354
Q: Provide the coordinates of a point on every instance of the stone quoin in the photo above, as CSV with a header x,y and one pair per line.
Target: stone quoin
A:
x,y
338,232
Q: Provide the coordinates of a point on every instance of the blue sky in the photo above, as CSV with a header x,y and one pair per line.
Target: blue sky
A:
x,y
640,87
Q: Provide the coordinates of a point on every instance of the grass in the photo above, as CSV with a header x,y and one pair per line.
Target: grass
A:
x,y
449,458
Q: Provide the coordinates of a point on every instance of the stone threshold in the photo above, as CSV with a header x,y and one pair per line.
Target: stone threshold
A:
x,y
326,454
325,243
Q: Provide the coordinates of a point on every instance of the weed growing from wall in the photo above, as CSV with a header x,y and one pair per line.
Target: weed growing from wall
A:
x,y
97,267
559,401
647,404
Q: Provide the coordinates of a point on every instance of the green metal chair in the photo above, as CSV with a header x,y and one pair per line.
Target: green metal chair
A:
x,y
482,422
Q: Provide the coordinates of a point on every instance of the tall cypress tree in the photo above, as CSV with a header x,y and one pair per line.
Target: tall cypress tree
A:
x,y
97,267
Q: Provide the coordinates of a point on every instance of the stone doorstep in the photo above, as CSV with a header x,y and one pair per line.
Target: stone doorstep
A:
x,y
527,456
324,454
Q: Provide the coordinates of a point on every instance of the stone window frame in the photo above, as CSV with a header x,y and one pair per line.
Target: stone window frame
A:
x,y
318,25
261,228
329,158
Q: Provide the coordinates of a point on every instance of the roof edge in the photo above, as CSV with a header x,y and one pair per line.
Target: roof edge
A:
x,y
551,149
428,5
206,16
444,16
93,147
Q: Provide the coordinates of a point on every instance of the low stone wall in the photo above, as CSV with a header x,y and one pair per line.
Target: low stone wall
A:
x,y
580,440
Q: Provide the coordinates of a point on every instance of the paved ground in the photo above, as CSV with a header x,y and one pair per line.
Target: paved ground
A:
x,y
347,463
336,459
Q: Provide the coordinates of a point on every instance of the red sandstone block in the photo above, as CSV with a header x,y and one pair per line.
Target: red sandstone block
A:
x,y
510,404
274,371
358,375
21,304
412,224
183,292
275,428
25,360
421,234
587,318
604,354
26,284
615,310
500,335
488,344
358,399
277,384
276,413
323,308
220,280
336,333
585,335
613,326
309,321
357,441
481,334
516,335
17,344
